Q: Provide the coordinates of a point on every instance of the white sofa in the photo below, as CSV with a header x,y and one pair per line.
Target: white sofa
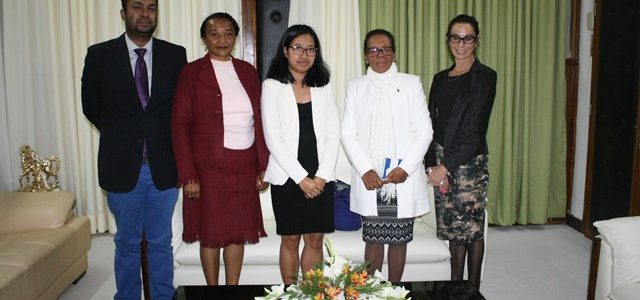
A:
x,y
427,256
618,276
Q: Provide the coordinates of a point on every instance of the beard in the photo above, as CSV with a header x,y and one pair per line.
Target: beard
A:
x,y
141,30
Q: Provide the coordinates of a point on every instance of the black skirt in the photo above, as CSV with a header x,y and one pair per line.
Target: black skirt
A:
x,y
294,213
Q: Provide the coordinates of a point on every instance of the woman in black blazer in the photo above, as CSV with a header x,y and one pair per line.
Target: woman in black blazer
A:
x,y
460,104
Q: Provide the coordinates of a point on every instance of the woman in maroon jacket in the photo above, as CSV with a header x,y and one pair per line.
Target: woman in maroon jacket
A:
x,y
220,150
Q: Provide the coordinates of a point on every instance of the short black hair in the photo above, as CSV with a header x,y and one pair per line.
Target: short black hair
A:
x,y
219,15
465,19
317,76
379,31
124,4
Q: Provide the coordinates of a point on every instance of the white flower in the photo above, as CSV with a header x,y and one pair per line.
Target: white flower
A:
x,y
332,268
275,292
378,275
293,288
341,262
394,292
278,289
377,278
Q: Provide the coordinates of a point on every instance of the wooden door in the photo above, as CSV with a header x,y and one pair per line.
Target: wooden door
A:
x,y
612,156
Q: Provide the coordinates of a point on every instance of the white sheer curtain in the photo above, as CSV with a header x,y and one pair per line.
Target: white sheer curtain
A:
x,y
5,155
43,47
338,27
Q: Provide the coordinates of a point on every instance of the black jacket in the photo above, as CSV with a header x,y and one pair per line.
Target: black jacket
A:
x,y
112,105
465,135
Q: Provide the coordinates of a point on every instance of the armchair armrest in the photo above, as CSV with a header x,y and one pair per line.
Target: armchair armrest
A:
x,y
618,261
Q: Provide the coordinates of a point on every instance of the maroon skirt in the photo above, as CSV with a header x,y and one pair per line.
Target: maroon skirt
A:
x,y
228,211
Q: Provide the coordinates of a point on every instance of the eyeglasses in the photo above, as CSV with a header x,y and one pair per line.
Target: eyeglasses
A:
x,y
375,51
299,50
455,39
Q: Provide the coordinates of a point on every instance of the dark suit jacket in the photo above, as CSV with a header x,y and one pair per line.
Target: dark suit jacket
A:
x,y
465,135
111,103
197,121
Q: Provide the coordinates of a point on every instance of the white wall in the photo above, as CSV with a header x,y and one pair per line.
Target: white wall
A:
x,y
582,118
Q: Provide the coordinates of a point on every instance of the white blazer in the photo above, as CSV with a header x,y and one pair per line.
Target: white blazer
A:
x,y
282,130
413,133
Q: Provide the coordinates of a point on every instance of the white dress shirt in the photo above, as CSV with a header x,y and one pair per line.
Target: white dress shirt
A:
x,y
148,57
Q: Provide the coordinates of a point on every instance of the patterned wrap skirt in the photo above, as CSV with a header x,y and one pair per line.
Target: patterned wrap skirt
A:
x,y
386,227
460,212
228,211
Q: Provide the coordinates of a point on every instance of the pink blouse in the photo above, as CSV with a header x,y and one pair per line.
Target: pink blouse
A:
x,y
236,107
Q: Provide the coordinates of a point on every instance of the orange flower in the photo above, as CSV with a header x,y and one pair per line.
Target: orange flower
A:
x,y
352,293
319,296
359,279
332,291
346,269
309,274
322,284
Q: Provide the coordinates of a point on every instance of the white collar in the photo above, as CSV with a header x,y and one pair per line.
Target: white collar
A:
x,y
132,46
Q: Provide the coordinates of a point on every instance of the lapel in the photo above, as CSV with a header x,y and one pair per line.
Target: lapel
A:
x,y
291,108
123,62
247,82
400,109
465,96
364,104
316,103
157,71
206,75
250,83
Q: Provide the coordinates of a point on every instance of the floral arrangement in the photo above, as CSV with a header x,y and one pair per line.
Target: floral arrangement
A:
x,y
337,279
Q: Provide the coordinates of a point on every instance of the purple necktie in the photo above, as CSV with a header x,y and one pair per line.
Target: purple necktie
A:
x,y
142,86
141,78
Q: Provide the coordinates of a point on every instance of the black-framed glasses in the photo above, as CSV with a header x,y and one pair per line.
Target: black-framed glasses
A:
x,y
454,38
375,51
299,50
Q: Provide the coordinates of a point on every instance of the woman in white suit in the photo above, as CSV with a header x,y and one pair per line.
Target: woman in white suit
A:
x,y
300,122
386,131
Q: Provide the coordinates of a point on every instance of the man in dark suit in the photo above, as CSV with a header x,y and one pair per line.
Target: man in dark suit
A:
x,y
127,92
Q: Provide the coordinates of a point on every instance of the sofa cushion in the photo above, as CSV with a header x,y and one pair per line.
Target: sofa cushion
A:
x,y
622,236
177,226
626,292
425,247
31,261
24,211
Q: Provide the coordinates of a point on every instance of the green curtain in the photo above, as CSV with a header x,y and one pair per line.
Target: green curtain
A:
x,y
524,41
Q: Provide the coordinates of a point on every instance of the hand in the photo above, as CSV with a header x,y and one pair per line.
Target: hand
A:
x,y
438,175
192,190
371,180
309,187
261,185
320,182
397,175
444,187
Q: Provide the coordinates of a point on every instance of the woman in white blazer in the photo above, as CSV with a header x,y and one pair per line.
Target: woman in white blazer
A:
x,y
386,132
300,122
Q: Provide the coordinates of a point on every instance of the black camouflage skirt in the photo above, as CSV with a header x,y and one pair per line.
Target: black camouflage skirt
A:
x,y
460,212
